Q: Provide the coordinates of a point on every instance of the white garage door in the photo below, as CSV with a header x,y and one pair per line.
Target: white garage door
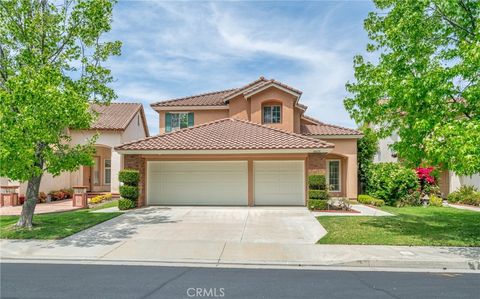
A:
x,y
279,183
197,183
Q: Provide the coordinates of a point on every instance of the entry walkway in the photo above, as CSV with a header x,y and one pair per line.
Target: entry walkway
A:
x,y
362,210
42,208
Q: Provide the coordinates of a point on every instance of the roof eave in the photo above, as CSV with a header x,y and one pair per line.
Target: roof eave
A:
x,y
335,136
225,152
190,107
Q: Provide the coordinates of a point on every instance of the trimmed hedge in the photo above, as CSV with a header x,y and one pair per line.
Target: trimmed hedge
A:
x,y
368,200
318,194
130,192
391,182
318,204
125,204
129,177
317,182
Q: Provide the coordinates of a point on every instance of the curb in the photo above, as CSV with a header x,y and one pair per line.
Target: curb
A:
x,y
467,266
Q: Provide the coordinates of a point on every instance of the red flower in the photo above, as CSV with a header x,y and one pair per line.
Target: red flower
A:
x,y
424,174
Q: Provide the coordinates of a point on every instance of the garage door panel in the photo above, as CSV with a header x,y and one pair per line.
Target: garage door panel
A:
x,y
197,183
279,182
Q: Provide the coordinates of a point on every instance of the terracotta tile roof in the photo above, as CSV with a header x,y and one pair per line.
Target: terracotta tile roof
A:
x,y
258,84
326,129
205,99
218,98
227,134
321,128
116,116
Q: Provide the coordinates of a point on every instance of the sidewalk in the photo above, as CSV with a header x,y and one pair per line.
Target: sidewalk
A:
x,y
220,253
361,210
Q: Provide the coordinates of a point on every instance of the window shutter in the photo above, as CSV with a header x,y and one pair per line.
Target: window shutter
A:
x,y
190,119
168,122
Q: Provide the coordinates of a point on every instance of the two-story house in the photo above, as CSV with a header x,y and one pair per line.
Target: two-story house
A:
x,y
251,145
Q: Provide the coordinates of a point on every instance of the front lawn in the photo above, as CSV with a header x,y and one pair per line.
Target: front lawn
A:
x,y
418,226
53,225
106,205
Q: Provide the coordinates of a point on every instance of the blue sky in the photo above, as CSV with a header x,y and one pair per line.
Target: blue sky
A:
x,y
174,49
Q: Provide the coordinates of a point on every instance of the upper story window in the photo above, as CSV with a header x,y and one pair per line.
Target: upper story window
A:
x,y
272,114
176,121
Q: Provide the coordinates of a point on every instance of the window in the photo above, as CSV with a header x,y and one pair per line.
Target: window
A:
x,y
107,171
138,120
177,121
333,175
271,114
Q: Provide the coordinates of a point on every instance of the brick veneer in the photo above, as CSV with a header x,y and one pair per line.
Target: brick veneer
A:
x,y
138,163
316,164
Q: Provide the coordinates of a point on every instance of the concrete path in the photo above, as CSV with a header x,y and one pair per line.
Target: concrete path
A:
x,y
231,237
464,207
238,224
241,254
42,208
362,209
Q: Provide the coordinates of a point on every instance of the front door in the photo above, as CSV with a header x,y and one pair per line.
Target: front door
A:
x,y
87,179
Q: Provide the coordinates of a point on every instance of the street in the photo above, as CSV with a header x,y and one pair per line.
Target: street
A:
x,y
112,281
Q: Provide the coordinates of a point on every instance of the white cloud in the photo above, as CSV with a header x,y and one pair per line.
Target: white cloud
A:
x,y
174,49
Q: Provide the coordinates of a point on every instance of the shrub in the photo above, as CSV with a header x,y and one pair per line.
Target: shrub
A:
x,y
435,201
57,195
413,198
100,198
466,195
344,204
318,194
317,204
42,197
125,204
130,192
68,193
391,182
368,200
129,177
317,182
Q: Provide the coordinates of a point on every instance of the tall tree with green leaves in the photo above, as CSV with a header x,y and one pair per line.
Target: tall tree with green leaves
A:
x,y
51,56
424,82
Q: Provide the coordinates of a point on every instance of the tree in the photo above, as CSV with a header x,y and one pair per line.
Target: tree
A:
x,y
424,83
367,147
50,71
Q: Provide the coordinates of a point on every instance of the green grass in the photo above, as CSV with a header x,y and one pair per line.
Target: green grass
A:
x,y
110,204
418,226
53,225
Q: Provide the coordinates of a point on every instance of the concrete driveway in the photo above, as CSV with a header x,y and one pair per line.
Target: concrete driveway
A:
x,y
286,225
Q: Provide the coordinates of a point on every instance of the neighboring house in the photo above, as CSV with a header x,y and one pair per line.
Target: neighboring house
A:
x,y
448,180
245,146
116,124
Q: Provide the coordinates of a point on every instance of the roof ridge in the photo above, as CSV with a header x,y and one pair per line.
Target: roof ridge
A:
x,y
283,131
260,79
194,96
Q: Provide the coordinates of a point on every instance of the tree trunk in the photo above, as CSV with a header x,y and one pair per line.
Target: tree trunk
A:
x,y
28,208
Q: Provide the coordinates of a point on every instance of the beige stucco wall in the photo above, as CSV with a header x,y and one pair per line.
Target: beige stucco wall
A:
x,y
200,116
346,151
239,108
274,96
135,129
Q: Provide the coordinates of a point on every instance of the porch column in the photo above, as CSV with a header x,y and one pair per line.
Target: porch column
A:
x,y
116,167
